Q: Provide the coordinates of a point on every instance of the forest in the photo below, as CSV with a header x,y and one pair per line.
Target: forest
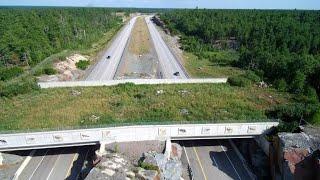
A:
x,y
282,47
28,36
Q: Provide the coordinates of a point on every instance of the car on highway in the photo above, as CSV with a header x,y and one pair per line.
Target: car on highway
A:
x,y
108,57
176,74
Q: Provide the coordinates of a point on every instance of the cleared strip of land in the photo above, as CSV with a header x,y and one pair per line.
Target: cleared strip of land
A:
x,y
128,103
45,85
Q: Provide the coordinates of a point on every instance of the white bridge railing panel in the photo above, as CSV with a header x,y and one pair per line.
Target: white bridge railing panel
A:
x,y
39,140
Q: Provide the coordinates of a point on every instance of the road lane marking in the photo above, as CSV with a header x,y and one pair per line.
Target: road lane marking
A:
x,y
224,150
215,162
244,164
54,165
23,165
38,165
71,165
198,159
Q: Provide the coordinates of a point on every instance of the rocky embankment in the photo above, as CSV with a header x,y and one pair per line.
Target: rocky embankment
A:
x,y
138,160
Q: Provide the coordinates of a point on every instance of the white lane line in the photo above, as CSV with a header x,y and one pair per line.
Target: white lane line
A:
x,y
38,165
244,163
214,160
54,165
23,165
70,167
198,159
230,160
185,151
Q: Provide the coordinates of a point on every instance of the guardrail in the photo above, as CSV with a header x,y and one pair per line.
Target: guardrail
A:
x,y
39,140
134,81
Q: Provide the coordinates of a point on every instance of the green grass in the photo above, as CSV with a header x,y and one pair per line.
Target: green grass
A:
x,y
58,108
82,64
204,68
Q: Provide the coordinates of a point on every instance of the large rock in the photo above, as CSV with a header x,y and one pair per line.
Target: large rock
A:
x,y
148,175
112,166
176,151
299,153
169,169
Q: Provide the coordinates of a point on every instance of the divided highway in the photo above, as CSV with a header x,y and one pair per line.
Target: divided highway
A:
x,y
106,68
216,159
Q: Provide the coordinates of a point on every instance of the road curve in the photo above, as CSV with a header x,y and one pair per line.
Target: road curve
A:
x,y
105,69
169,64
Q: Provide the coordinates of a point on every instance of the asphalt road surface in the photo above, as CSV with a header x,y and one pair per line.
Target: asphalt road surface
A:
x,y
54,164
214,159
169,64
105,69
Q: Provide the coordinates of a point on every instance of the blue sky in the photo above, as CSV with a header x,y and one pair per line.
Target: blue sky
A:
x,y
216,4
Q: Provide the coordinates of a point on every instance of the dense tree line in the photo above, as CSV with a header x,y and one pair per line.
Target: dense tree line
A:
x,y
282,47
27,36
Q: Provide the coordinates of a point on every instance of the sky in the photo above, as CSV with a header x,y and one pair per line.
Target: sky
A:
x,y
213,4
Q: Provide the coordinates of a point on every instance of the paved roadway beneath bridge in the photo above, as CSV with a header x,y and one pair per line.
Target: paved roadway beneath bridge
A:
x,y
214,159
53,164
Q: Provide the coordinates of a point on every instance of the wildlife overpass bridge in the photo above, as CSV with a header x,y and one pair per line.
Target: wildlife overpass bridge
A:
x,y
66,138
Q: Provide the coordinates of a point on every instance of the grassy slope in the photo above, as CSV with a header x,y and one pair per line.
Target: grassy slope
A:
x,y
204,68
56,108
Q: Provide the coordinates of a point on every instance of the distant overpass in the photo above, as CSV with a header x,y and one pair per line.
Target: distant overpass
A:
x,y
134,81
51,139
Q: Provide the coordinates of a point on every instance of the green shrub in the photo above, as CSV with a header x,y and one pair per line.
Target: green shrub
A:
x,y
26,85
281,85
252,76
49,71
311,95
148,166
316,118
9,73
82,64
288,126
293,112
240,81
45,70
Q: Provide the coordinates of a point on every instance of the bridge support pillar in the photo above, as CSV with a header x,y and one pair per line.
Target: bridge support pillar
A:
x,y
168,150
102,149
1,159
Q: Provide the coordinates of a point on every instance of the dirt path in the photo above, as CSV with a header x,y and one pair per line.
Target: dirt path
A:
x,y
140,58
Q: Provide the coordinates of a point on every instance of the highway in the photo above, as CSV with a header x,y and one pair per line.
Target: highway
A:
x,y
53,164
105,69
169,64
214,159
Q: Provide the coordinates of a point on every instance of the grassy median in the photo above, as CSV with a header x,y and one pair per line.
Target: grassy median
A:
x,y
128,103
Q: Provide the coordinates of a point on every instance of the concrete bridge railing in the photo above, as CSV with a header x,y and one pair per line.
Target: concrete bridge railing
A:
x,y
39,140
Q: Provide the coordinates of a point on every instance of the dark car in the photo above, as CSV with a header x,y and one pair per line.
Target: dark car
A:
x,y
176,74
108,57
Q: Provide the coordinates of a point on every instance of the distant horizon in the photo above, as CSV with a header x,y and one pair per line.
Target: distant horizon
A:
x,y
118,7
170,4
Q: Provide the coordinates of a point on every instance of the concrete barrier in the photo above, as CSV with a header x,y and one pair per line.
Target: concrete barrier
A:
x,y
134,81
39,140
